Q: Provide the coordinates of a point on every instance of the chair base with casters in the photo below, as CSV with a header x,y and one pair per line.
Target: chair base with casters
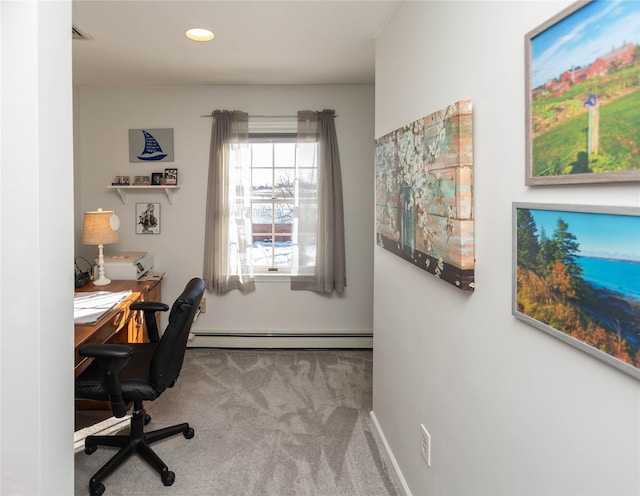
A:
x,y
132,373
137,441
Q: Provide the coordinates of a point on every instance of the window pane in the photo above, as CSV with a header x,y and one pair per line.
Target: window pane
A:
x,y
262,254
262,154
284,186
283,214
283,253
285,154
283,233
262,183
262,217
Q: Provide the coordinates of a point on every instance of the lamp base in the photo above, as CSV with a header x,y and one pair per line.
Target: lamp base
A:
x,y
101,281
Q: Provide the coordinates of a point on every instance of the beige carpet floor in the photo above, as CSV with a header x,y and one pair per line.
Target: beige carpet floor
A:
x,y
272,422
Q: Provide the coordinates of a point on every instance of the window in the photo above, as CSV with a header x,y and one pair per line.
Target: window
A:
x,y
283,194
278,197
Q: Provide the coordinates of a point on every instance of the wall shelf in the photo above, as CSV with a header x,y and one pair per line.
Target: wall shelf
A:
x,y
122,190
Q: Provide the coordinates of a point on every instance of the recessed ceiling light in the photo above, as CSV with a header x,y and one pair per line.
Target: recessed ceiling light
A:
x,y
199,34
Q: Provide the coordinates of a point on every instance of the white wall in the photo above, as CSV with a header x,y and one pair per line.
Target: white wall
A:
x,y
106,114
36,229
511,410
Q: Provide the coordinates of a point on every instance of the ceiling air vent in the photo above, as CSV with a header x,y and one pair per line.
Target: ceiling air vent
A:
x,y
76,34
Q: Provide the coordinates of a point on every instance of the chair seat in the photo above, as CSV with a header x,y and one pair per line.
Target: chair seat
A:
x,y
134,377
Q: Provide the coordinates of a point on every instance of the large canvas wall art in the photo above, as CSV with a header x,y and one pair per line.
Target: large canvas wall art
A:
x,y
424,194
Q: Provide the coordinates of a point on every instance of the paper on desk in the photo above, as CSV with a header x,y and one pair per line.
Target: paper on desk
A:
x,y
89,307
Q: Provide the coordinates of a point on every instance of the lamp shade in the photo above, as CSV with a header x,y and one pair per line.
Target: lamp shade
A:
x,y
100,227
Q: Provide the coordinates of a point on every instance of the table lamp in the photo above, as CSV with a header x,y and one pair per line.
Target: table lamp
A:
x,y
100,228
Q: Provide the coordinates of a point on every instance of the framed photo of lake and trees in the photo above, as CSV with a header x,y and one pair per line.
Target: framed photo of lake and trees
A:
x,y
583,95
576,276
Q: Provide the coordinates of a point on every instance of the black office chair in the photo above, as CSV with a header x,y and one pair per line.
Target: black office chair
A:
x,y
137,372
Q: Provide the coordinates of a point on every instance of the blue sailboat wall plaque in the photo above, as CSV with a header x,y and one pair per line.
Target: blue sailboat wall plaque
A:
x,y
151,145
152,149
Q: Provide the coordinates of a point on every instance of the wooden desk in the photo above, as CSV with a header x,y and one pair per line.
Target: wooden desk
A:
x,y
118,325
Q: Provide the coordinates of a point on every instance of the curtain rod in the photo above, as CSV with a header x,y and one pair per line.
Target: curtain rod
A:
x,y
265,116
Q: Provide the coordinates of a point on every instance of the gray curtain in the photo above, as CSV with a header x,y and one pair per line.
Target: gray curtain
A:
x,y
326,271
227,241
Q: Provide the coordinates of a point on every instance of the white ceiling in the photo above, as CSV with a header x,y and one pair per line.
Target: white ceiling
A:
x,y
257,42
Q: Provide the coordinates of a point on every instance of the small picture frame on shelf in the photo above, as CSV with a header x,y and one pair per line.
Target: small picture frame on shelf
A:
x,y
137,181
171,177
121,181
156,178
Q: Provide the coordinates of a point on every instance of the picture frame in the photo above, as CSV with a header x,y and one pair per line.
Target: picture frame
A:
x,y
147,218
576,276
171,177
581,115
424,194
156,178
151,145
121,181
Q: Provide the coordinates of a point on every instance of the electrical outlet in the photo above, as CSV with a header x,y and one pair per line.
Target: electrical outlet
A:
x,y
203,305
425,444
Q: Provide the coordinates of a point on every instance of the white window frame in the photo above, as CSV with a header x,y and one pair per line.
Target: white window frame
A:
x,y
276,272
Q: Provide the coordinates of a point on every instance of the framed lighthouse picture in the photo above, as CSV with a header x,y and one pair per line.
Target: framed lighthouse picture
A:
x,y
151,145
582,95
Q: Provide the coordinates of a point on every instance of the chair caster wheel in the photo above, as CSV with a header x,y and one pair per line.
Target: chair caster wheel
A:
x,y
168,478
147,418
189,433
96,489
90,449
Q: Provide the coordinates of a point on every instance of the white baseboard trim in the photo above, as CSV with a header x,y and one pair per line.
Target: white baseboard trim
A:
x,y
103,428
400,480
204,339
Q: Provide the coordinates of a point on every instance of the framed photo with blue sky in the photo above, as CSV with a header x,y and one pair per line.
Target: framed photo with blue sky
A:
x,y
583,95
576,276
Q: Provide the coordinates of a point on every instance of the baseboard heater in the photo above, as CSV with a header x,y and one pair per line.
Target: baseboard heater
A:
x,y
210,339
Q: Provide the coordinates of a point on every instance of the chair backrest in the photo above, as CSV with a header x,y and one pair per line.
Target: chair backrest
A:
x,y
169,355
